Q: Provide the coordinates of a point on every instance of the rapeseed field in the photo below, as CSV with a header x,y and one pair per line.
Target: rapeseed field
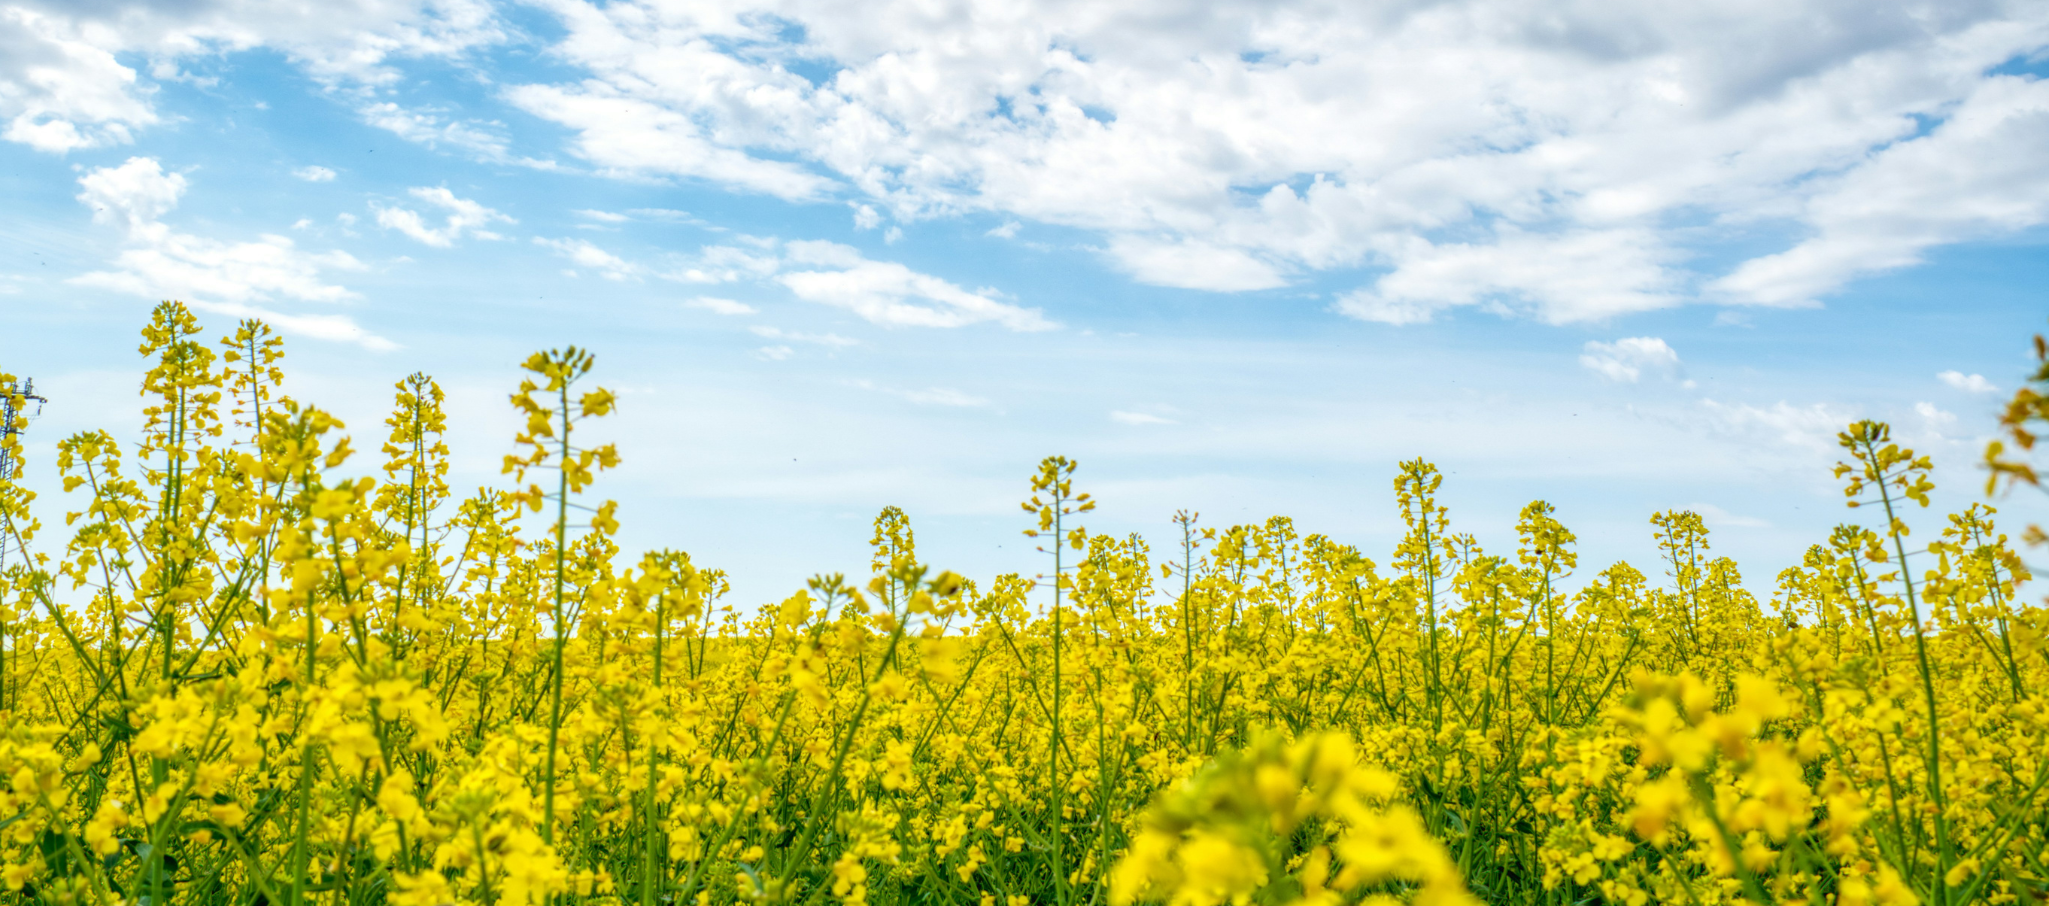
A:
x,y
255,666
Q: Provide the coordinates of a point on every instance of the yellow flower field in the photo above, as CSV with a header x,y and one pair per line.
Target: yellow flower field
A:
x,y
254,666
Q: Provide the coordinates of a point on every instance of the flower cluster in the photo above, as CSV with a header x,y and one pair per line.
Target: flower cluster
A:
x,y
257,670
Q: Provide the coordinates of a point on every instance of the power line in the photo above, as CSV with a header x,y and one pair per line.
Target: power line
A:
x,y
14,397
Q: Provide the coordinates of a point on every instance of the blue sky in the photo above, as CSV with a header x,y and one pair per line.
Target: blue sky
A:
x,y
1239,258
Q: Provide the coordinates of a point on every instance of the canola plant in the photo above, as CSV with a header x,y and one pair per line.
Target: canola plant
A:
x,y
254,670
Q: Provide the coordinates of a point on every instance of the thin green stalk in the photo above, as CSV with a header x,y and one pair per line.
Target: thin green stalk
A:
x,y
561,584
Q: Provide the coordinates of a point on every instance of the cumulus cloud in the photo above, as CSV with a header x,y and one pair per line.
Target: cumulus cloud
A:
x,y
1626,360
464,217
1969,383
241,279
133,195
314,174
888,293
1511,155
1515,156
63,86
1979,173
60,91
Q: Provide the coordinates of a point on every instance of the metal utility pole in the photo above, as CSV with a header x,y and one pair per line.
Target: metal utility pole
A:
x,y
14,397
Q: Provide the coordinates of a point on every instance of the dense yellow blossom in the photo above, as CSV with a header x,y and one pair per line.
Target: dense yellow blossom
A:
x,y
257,669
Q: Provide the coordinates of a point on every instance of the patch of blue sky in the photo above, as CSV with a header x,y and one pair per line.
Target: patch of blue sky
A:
x,y
2033,65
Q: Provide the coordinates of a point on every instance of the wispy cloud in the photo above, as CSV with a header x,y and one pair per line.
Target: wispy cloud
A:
x,y
433,129
1812,428
929,396
829,273
1717,517
891,294
724,264
1626,360
464,217
817,339
1139,418
719,306
586,254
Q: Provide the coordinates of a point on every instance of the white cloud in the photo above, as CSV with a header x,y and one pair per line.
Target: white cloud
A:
x,y
719,306
584,253
817,339
1969,383
1518,156
1720,518
631,137
602,216
1007,231
432,129
1193,265
1559,278
134,195
1979,173
1934,418
930,396
882,292
724,264
891,294
464,216
1811,428
775,353
314,174
672,216
61,91
63,87
337,328
865,217
1626,360
233,278
941,396
1139,418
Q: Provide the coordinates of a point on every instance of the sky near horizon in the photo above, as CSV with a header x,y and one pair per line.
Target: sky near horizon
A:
x,y
1240,258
